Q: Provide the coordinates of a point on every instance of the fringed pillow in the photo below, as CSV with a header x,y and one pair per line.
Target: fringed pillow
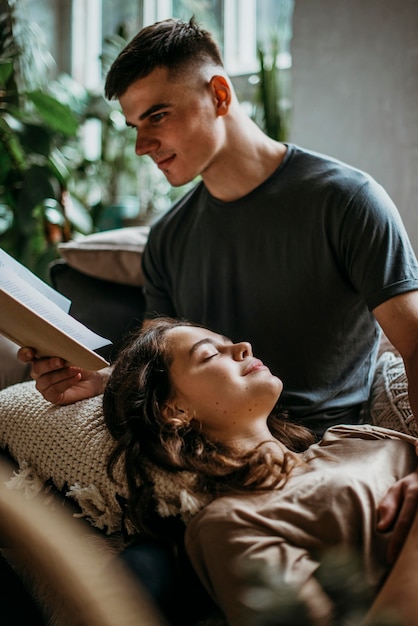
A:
x,y
389,401
68,447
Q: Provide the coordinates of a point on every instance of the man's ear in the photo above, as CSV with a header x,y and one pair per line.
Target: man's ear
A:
x,y
222,93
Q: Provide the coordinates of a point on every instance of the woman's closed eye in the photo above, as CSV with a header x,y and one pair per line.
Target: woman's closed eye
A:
x,y
208,356
206,349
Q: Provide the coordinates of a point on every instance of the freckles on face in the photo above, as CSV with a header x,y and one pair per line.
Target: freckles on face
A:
x,y
219,382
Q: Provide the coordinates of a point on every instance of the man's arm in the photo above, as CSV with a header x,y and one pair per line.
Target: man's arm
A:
x,y
396,511
398,597
398,318
61,384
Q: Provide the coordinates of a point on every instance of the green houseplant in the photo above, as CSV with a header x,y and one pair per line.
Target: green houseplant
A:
x,y
117,186
34,125
51,188
275,118
273,104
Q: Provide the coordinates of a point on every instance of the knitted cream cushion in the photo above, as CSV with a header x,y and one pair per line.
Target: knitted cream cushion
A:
x,y
68,446
389,402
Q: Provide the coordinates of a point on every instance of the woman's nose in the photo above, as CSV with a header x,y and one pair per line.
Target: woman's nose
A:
x,y
242,350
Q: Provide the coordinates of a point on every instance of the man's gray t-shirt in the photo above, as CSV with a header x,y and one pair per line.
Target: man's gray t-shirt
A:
x,y
295,267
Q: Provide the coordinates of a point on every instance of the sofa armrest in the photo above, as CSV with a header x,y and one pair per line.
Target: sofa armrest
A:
x,y
110,309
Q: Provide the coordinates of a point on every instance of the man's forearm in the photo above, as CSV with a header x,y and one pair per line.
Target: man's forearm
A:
x,y
411,368
398,596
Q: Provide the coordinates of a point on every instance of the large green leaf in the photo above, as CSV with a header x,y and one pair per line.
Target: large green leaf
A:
x,y
6,70
78,215
71,93
59,167
9,241
5,163
35,139
11,144
57,115
36,187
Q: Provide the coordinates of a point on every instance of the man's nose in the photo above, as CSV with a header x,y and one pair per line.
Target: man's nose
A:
x,y
144,144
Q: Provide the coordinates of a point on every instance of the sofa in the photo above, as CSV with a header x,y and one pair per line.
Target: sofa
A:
x,y
58,454
61,452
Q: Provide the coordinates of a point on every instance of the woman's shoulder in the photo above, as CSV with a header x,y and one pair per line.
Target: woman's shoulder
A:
x,y
227,513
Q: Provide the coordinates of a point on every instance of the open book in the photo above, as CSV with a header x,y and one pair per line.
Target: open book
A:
x,y
34,314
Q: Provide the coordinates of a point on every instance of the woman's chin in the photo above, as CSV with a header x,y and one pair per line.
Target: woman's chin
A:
x,y
278,386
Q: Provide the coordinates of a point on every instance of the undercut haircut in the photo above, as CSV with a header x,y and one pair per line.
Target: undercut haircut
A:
x,y
174,44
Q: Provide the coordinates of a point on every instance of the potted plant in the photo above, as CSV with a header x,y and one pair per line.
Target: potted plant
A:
x,y
34,126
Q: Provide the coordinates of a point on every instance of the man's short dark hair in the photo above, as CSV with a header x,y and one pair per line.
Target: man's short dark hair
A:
x,y
172,43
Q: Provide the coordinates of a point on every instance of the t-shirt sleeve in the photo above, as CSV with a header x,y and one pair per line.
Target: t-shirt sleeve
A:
x,y
375,246
222,546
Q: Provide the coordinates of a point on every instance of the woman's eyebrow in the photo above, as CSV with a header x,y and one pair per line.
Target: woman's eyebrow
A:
x,y
204,341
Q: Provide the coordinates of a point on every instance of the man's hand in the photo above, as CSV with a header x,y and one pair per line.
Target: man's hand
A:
x,y
62,384
397,511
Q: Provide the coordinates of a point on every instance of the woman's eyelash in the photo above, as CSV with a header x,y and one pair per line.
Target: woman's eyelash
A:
x,y
211,356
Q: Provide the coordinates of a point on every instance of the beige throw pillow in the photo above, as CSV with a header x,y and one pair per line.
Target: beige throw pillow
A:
x,y
114,255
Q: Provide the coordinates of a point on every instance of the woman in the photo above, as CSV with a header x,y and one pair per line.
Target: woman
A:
x,y
186,399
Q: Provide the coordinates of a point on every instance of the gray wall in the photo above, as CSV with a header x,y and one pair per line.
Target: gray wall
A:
x,y
355,90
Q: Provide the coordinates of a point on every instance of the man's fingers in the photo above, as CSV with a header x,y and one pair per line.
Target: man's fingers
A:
x,y
397,510
26,355
389,507
62,379
55,392
47,367
402,526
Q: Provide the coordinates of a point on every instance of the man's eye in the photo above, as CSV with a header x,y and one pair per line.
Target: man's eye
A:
x,y
157,117
210,356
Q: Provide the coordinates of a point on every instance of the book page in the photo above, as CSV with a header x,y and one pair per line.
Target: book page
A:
x,y
31,319
48,310
9,263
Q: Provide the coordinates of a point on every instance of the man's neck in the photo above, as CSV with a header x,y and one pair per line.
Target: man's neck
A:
x,y
237,172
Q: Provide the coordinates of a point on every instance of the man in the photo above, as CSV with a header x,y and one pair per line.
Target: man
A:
x,y
296,251
304,256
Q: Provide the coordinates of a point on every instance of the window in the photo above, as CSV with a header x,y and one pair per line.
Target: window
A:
x,y
86,40
75,29
86,35
237,25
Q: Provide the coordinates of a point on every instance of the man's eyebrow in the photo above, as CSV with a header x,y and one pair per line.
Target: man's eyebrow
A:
x,y
153,109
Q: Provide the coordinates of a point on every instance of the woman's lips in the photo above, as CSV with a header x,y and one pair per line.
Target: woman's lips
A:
x,y
254,366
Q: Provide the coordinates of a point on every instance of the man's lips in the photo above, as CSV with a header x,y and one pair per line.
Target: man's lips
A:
x,y
254,366
163,164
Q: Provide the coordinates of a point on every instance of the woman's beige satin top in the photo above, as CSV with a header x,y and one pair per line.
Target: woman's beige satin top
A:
x,y
333,503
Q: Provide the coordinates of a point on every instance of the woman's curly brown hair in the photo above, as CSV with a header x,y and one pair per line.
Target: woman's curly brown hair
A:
x,y
137,391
